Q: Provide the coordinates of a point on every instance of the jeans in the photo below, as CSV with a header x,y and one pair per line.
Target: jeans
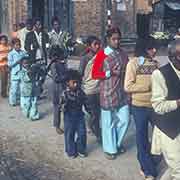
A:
x,y
142,117
74,124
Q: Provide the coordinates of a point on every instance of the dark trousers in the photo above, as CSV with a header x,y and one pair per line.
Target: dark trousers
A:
x,y
74,124
57,90
94,107
4,80
142,117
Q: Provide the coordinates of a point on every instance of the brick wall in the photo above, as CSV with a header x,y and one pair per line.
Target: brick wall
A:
x,y
17,12
125,20
89,17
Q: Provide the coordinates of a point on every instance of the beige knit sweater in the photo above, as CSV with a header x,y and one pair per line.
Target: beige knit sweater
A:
x,y
138,81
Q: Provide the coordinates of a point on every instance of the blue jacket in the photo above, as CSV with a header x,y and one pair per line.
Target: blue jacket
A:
x,y
13,58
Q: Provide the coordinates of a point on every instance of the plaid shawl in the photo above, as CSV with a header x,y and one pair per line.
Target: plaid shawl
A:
x,y
112,94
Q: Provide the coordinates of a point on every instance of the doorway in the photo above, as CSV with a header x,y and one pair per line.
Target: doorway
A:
x,y
143,22
38,9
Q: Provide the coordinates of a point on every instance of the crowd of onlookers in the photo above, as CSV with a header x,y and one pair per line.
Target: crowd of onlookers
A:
x,y
108,87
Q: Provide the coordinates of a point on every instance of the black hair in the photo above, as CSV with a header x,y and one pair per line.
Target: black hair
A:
x,y
56,51
3,36
15,40
36,19
90,40
72,75
55,19
21,25
27,59
29,22
150,43
142,45
113,30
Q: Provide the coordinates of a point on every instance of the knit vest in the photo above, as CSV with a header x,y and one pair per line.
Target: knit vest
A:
x,y
169,123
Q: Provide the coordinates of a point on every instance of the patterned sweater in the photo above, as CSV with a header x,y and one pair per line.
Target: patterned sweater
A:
x,y
138,81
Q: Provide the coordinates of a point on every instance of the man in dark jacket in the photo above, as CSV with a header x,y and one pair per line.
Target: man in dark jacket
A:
x,y
37,42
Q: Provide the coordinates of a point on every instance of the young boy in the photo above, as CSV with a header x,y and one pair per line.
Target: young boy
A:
x,y
14,62
28,91
72,99
4,50
58,71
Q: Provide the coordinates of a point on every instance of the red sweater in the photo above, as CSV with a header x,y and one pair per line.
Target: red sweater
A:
x,y
97,68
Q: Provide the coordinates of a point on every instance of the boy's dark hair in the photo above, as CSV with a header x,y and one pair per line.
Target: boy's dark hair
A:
x,y
55,19
15,40
35,20
22,25
90,40
3,36
56,51
29,22
142,45
150,43
72,75
26,59
113,30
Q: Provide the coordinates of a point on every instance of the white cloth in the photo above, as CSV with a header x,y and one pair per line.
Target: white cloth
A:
x,y
22,36
39,53
55,37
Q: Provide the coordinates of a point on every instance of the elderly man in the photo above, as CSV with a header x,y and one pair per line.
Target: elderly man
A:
x,y
166,103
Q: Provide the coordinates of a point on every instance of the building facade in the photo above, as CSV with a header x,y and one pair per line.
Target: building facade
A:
x,y
17,11
82,17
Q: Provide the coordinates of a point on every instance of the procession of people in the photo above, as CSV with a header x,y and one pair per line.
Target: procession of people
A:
x,y
100,96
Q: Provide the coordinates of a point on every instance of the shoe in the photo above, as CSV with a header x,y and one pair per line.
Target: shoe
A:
x,y
142,173
4,95
13,105
59,131
34,119
72,157
82,155
121,150
110,156
149,178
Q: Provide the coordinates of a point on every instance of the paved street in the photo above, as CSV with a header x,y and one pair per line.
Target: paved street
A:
x,y
33,150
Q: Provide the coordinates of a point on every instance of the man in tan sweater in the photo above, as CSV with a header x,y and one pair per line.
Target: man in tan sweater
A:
x,y
138,84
